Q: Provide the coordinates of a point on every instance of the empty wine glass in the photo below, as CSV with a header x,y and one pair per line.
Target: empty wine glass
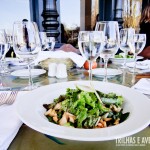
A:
x,y
90,45
4,47
51,43
44,40
137,46
48,43
126,38
112,39
26,44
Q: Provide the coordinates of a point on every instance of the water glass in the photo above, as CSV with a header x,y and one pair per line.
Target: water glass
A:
x,y
4,47
137,46
26,44
44,41
90,44
126,39
112,41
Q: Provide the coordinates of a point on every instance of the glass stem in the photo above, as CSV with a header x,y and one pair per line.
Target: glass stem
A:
x,y
125,58
105,66
30,77
90,69
1,84
134,69
123,77
2,65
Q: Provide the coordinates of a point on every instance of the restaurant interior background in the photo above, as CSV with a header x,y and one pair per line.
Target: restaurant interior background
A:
x,y
75,15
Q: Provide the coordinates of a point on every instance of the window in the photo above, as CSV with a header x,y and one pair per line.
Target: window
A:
x,y
70,13
70,18
13,10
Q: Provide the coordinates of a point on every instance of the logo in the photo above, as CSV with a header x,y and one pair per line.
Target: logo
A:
x,y
133,141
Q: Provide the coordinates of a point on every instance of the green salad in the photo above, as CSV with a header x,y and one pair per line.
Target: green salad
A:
x,y
121,56
85,107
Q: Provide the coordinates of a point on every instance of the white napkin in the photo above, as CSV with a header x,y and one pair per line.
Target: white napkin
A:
x,y
77,59
143,86
9,124
140,64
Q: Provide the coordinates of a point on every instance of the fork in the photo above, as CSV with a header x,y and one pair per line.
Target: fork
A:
x,y
11,97
3,98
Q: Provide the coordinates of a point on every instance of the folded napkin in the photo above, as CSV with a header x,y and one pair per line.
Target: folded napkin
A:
x,y
140,64
69,48
77,59
143,86
9,124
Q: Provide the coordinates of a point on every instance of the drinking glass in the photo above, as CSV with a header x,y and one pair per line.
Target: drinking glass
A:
x,y
126,38
44,40
48,43
138,45
51,43
112,39
91,44
4,47
26,44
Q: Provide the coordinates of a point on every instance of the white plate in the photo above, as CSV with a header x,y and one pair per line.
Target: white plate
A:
x,y
30,110
121,60
100,72
24,73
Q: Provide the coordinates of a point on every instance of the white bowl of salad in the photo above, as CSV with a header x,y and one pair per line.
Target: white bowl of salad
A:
x,y
119,58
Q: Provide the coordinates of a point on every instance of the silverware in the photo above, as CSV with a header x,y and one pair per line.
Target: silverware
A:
x,y
11,97
3,96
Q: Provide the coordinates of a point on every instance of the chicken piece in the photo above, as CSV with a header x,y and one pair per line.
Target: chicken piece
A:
x,y
107,119
116,109
57,106
71,117
103,123
55,118
117,121
64,119
67,117
51,113
100,125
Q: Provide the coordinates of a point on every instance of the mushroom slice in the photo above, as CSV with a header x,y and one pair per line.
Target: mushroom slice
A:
x,y
51,112
71,117
55,118
57,106
64,119
116,109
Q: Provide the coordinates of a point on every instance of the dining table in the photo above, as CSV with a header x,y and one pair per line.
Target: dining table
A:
x,y
30,139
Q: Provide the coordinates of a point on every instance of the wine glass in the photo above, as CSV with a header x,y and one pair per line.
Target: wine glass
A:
x,y
44,40
51,43
112,39
126,38
90,44
26,44
4,47
48,43
137,46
